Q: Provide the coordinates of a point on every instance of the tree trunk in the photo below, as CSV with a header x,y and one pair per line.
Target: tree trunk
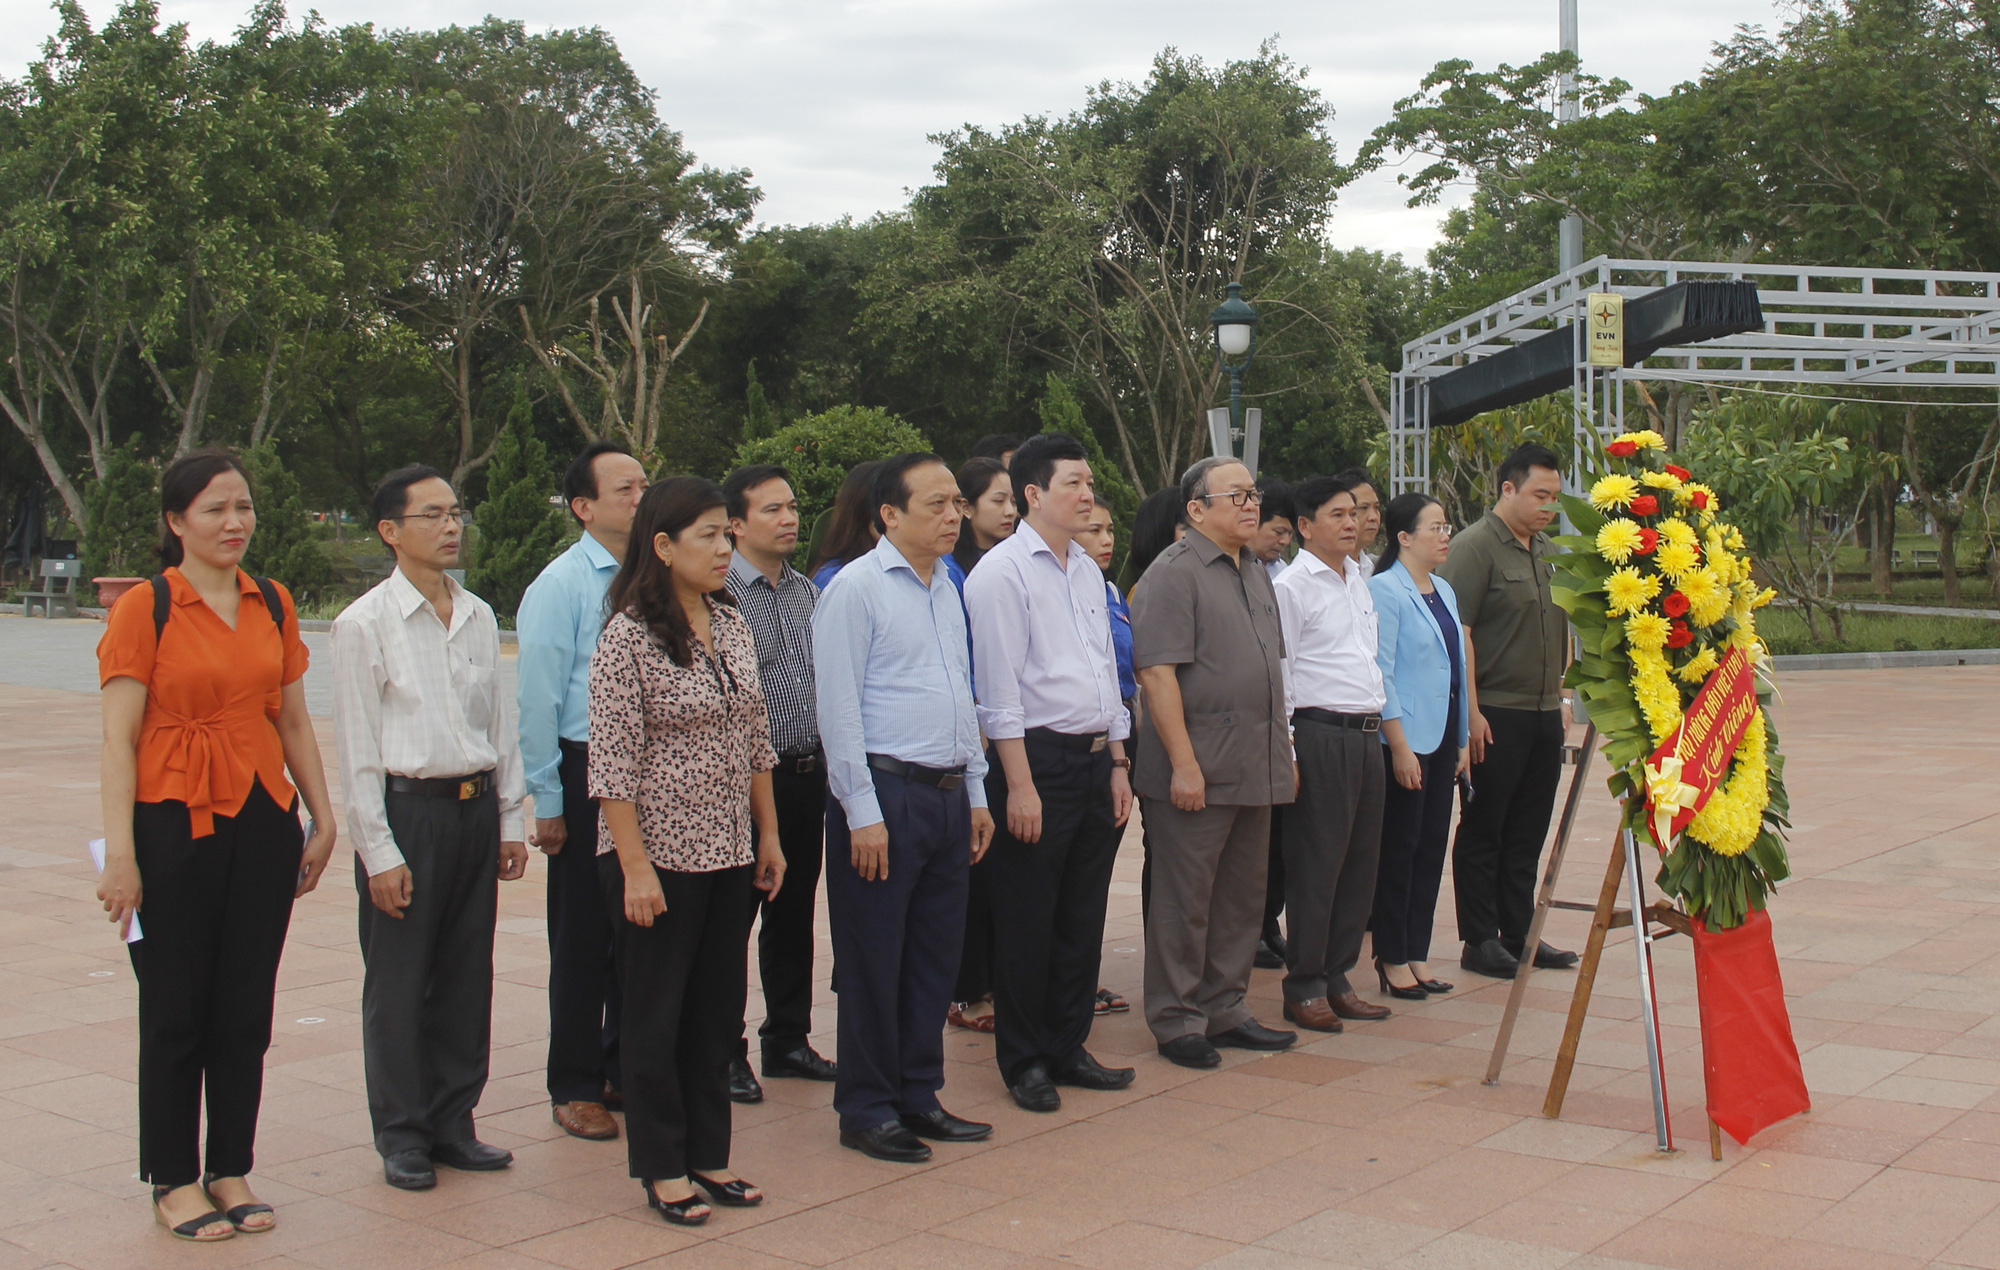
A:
x,y
1882,553
1947,532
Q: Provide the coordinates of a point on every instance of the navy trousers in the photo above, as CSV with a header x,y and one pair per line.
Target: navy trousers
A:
x,y
896,943
583,983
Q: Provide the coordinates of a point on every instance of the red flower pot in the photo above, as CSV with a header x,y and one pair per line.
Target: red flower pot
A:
x,y
109,589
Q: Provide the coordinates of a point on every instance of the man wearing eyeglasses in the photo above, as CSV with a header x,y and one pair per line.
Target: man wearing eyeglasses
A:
x,y
431,769
1214,758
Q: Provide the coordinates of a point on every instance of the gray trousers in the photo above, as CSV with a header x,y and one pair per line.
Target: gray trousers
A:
x,y
1206,914
427,990
1332,841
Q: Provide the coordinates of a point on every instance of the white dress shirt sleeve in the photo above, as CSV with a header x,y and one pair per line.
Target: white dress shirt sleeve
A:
x,y
1291,623
504,733
842,629
358,676
996,603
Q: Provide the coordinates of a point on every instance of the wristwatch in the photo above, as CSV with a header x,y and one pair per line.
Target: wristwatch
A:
x,y
1125,763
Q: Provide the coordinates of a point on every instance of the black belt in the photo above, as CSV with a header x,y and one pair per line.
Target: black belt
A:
x,y
799,764
1088,742
459,788
1335,719
942,777
574,747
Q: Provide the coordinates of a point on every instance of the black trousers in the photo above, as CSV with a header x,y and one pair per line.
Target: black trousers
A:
x,y
686,977
1500,835
975,959
1274,876
1048,906
583,982
1416,825
1333,834
785,940
215,914
895,948
427,984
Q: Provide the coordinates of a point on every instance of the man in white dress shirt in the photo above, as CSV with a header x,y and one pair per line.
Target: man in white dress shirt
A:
x,y
1048,699
1333,688
431,768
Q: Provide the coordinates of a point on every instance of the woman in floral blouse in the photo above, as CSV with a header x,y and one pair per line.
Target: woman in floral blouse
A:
x,y
680,761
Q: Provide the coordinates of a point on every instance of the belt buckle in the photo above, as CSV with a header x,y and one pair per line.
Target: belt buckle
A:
x,y
806,764
950,781
1099,742
468,789
1372,724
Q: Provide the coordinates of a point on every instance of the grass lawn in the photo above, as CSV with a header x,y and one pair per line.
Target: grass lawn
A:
x,y
1784,630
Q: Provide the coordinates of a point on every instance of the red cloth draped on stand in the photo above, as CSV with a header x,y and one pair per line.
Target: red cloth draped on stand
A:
x,y
1750,1058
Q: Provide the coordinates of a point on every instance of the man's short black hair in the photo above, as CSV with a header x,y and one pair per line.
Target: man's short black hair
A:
x,y
1515,467
580,481
1314,492
892,484
1356,477
737,486
1035,462
1277,502
994,445
392,494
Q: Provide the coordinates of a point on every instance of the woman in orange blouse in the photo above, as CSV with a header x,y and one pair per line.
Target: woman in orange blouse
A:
x,y
204,713
680,761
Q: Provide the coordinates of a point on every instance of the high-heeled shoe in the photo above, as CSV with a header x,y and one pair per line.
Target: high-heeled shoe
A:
x,y
736,1194
1435,987
1415,992
692,1211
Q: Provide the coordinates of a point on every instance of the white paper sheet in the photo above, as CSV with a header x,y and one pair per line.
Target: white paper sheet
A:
x,y
132,935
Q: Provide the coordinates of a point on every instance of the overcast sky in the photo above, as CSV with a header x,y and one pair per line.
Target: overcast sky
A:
x,y
829,102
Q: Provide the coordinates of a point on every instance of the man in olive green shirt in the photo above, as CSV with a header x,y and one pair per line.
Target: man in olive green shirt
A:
x,y
1501,568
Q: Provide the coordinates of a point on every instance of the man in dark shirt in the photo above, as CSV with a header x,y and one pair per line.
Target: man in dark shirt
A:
x,y
1501,569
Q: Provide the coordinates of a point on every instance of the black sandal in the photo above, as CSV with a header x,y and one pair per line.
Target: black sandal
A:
x,y
190,1230
242,1212
692,1211
736,1194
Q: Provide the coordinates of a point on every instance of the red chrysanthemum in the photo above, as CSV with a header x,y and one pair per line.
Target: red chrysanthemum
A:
x,y
1678,635
1649,539
1645,505
1680,472
1621,449
1674,605
1699,500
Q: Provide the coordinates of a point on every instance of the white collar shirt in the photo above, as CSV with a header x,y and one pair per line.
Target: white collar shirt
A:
x,y
415,697
1329,622
1041,641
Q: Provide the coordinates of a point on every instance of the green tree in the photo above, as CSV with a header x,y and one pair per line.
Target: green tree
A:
x,y
819,449
124,535
520,529
283,546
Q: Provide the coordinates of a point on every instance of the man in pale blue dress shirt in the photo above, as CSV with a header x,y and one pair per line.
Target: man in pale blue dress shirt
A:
x,y
906,810
558,624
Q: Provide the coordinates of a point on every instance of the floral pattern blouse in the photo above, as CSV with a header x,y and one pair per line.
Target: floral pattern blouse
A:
x,y
681,743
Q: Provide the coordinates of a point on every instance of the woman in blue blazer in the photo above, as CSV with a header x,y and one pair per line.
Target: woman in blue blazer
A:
x,y
1420,647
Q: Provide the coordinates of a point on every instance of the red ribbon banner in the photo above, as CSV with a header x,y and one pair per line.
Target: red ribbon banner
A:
x,y
1689,766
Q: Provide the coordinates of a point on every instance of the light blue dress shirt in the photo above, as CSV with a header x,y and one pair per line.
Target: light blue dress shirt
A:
x,y
559,621
894,677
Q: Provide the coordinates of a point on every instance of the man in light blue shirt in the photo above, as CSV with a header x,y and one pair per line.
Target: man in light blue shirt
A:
x,y
558,624
907,812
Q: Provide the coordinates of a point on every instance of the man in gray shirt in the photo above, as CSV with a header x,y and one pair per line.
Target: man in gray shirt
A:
x,y
1214,757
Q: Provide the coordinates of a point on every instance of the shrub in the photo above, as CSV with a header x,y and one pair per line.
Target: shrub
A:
x,y
519,529
123,538
819,449
283,546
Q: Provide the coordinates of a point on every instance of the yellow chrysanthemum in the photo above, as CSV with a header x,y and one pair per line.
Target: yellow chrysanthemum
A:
x,y
1614,491
1763,597
1685,494
1618,540
1676,559
1627,590
1660,480
1734,815
1658,699
1647,631
1645,439
1699,666
1678,532
1734,538
1708,597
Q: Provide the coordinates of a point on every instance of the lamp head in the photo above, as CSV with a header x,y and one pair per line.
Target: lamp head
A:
x,y
1235,323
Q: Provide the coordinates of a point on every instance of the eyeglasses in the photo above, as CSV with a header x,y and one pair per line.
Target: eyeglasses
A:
x,y
1441,529
1237,497
459,514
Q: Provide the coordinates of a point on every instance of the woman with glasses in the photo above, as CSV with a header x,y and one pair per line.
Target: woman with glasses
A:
x,y
1425,725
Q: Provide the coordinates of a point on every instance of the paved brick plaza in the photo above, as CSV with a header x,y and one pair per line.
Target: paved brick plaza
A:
x,y
1378,1147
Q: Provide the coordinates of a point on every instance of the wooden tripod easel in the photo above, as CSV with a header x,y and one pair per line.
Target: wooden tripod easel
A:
x,y
1606,917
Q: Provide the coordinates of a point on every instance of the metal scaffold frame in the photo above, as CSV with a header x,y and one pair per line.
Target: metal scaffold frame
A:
x,y
1822,325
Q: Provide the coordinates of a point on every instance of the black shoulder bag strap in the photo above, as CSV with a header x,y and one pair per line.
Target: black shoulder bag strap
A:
x,y
163,601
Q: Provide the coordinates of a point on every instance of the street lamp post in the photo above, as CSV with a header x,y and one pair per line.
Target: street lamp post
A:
x,y
1235,324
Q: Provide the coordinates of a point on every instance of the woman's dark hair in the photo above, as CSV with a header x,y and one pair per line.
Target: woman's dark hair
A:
x,y
848,534
1400,517
975,477
183,481
644,588
1153,528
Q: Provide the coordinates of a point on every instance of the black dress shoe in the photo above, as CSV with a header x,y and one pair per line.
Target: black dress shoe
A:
x,y
1549,958
889,1141
1253,1036
1085,1072
803,1062
743,1086
1190,1051
942,1126
1034,1091
470,1156
409,1170
1270,955
1490,958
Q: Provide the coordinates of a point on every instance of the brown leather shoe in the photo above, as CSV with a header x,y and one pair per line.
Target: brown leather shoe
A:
x,y
1349,1006
586,1120
1313,1015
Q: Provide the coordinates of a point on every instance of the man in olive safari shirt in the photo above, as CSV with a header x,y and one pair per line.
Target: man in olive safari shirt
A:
x,y
1501,569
